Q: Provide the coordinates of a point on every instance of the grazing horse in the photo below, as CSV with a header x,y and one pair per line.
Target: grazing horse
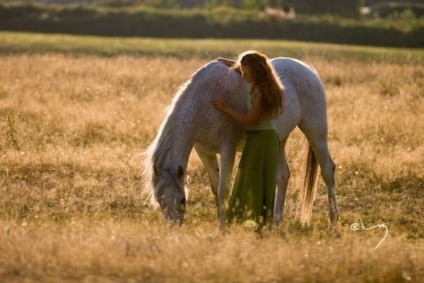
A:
x,y
192,121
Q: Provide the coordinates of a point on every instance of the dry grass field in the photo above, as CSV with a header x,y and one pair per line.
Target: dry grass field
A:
x,y
72,130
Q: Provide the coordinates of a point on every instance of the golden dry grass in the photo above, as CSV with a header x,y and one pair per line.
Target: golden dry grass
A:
x,y
71,210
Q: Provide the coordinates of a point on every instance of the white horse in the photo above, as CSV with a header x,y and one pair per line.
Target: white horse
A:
x,y
192,121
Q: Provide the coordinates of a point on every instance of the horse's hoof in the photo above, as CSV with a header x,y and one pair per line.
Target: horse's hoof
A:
x,y
333,231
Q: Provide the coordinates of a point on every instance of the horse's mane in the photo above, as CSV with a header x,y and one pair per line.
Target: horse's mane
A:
x,y
157,155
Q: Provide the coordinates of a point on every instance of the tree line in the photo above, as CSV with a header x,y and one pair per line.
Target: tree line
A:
x,y
345,8
208,23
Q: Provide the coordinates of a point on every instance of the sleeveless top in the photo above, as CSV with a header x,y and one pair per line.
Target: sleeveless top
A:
x,y
262,123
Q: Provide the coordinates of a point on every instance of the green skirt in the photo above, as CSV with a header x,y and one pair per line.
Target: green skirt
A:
x,y
253,193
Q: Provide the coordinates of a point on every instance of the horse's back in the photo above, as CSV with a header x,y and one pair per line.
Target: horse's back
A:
x,y
303,82
302,77
305,103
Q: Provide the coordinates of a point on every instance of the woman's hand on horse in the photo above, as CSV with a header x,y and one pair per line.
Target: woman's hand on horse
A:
x,y
226,61
229,63
220,104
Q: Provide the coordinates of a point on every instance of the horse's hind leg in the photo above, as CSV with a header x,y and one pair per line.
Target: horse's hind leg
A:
x,y
282,182
328,169
318,141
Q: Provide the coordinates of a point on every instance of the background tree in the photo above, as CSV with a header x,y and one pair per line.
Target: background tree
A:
x,y
337,7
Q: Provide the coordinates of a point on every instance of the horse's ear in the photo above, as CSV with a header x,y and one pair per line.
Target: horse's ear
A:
x,y
155,171
180,171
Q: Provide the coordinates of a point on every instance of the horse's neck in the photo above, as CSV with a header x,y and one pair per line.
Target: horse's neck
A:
x,y
182,146
176,141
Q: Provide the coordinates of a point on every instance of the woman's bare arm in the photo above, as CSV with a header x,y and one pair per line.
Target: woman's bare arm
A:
x,y
248,119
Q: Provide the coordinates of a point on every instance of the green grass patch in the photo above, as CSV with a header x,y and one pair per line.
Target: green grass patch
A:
x,y
77,45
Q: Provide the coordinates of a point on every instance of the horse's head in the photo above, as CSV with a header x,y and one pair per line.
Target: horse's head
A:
x,y
170,193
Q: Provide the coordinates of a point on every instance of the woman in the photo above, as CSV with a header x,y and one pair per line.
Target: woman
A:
x,y
253,193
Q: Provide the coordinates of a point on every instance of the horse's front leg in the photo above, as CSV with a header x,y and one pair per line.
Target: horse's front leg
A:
x,y
211,165
282,182
228,153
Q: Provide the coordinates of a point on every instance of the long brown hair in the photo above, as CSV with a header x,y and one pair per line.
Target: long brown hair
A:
x,y
266,81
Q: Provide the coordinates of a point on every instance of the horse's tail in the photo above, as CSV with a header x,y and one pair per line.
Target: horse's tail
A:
x,y
308,190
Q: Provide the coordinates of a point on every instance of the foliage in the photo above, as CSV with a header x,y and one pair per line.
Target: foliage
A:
x,y
393,9
220,22
348,8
